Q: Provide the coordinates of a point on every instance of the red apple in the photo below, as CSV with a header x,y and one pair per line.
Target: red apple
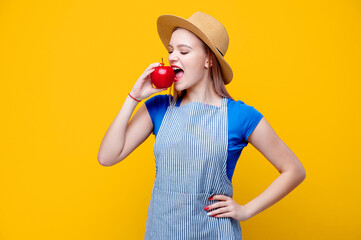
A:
x,y
163,76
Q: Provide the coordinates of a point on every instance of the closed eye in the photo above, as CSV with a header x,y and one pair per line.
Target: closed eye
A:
x,y
183,53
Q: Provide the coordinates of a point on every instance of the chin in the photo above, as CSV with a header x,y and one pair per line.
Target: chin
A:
x,y
179,88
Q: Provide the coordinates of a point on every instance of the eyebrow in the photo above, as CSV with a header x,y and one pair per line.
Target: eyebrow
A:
x,y
180,45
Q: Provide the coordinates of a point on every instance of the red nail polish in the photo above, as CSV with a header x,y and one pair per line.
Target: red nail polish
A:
x,y
206,208
214,215
210,198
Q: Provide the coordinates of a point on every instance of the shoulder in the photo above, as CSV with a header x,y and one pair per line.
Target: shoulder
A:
x,y
240,107
243,118
158,101
157,106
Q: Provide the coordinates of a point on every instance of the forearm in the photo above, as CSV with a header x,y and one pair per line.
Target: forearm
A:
x,y
113,140
279,188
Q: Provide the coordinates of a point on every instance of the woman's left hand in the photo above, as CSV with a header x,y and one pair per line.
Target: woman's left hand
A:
x,y
227,207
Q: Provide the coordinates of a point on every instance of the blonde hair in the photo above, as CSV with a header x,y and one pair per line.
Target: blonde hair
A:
x,y
215,73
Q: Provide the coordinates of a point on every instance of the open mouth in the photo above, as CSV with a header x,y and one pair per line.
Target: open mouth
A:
x,y
178,73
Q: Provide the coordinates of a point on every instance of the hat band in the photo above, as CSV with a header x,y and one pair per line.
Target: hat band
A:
x,y
220,52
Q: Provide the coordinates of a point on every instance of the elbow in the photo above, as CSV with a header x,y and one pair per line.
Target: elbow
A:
x,y
297,171
107,162
302,175
299,174
102,161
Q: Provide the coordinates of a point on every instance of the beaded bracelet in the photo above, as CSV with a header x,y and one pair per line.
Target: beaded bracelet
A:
x,y
133,97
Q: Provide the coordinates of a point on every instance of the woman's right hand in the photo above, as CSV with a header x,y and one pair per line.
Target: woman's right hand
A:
x,y
143,88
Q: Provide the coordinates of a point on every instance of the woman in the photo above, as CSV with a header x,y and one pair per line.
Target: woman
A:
x,y
200,133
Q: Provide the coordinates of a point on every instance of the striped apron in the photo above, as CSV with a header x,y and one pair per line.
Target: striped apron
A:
x,y
191,165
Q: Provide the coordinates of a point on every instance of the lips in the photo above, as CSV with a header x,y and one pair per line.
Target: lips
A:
x,y
179,72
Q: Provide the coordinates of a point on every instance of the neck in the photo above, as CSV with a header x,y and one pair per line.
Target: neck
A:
x,y
204,92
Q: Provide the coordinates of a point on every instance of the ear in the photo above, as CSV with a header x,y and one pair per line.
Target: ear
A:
x,y
208,63
210,58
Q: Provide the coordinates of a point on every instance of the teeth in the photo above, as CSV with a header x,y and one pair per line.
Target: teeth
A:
x,y
175,68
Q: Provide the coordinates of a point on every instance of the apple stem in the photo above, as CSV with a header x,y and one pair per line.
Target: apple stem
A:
x,y
162,62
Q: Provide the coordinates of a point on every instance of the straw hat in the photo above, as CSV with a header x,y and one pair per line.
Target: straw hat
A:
x,y
207,28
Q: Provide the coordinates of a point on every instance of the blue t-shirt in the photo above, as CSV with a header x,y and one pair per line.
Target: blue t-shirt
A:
x,y
242,120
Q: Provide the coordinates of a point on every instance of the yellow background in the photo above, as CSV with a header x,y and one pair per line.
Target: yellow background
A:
x,y
66,68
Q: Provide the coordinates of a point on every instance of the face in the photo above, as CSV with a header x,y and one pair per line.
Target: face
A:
x,y
188,52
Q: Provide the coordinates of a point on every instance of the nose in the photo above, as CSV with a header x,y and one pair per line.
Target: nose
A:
x,y
172,58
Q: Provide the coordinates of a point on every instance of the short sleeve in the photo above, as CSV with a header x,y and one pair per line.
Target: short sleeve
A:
x,y
243,119
157,106
253,117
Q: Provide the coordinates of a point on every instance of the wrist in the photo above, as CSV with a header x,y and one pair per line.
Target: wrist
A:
x,y
131,95
249,211
135,95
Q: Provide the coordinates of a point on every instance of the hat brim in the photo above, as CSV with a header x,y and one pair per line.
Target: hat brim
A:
x,y
165,26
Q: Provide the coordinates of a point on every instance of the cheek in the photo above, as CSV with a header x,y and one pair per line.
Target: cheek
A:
x,y
195,63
